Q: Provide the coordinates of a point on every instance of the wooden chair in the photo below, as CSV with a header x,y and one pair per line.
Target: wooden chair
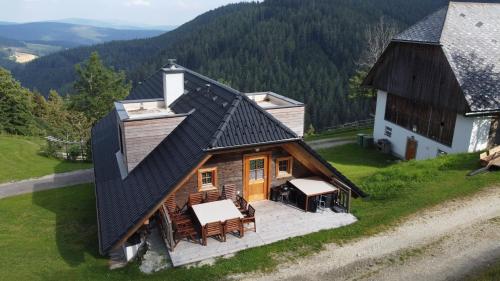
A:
x,y
171,204
174,212
213,229
172,207
185,230
212,195
229,192
195,199
233,225
242,205
250,218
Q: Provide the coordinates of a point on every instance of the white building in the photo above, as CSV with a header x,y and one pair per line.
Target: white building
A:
x,y
438,83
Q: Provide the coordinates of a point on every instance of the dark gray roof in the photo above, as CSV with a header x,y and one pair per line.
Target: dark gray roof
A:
x,y
469,34
471,42
427,30
220,118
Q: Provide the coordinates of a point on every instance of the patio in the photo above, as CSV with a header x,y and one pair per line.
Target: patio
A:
x,y
275,221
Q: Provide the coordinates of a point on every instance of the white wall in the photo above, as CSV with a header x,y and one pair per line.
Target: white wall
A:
x,y
131,251
471,134
480,133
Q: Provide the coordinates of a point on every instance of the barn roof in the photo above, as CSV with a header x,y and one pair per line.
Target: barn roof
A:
x,y
469,35
427,30
220,117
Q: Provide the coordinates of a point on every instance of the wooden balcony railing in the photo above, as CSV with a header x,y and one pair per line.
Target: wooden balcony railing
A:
x,y
343,200
166,226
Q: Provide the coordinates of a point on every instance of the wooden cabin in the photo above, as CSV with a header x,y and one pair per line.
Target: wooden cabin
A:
x,y
181,140
438,83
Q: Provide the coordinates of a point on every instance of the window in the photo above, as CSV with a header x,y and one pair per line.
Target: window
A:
x,y
207,179
256,170
388,131
284,167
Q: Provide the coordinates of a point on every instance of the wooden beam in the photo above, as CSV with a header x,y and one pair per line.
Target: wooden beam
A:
x,y
307,159
152,211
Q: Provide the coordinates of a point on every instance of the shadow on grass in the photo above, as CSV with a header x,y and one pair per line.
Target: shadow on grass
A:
x,y
354,155
75,220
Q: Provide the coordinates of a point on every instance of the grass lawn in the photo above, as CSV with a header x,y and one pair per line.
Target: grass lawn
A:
x,y
350,134
52,234
20,159
492,273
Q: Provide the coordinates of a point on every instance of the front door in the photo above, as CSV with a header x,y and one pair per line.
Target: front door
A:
x,y
411,149
256,177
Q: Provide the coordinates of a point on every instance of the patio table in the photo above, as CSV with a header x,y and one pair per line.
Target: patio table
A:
x,y
221,210
311,187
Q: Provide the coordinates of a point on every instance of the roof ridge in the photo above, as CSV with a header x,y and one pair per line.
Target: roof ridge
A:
x,y
417,28
240,96
444,22
232,110
225,120
210,80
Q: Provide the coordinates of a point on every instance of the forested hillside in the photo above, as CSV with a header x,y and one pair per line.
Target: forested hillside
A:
x,y
306,50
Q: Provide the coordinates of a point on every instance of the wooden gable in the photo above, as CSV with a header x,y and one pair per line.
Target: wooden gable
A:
x,y
419,72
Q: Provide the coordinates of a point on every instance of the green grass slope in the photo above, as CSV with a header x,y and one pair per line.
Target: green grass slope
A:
x,y
492,273
52,235
20,159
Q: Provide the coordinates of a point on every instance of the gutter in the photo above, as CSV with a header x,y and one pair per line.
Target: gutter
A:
x,y
417,42
485,113
95,194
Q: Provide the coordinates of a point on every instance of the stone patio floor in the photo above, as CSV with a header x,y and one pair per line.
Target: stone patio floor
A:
x,y
275,221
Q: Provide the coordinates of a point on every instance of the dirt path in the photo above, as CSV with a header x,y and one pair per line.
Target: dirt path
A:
x,y
46,182
328,143
447,242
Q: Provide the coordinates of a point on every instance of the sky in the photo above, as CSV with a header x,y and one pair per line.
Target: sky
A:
x,y
145,12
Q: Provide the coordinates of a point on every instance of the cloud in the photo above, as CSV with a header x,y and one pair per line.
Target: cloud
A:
x,y
138,3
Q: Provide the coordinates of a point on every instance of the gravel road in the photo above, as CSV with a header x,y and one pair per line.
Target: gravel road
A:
x,y
46,182
447,242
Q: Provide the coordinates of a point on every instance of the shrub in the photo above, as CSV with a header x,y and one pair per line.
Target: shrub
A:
x,y
73,152
51,149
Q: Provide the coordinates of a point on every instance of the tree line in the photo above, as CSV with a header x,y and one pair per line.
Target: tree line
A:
x,y
67,118
306,50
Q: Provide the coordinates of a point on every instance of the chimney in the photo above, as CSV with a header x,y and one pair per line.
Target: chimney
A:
x,y
173,82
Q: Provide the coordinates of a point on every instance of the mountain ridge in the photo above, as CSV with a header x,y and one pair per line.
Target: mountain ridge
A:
x,y
305,50
114,24
71,35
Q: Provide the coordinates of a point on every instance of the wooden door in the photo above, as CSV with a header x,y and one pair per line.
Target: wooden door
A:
x,y
411,149
256,171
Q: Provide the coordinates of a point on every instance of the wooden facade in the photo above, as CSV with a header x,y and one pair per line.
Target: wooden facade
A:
x,y
418,72
434,123
142,136
292,117
230,171
230,168
494,134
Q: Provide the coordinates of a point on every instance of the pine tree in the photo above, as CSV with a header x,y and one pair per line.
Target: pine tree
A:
x,y
15,106
97,87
